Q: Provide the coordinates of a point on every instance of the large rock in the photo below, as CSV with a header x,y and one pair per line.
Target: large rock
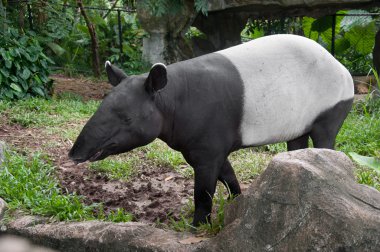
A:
x,y
223,24
3,208
306,200
93,236
217,5
166,41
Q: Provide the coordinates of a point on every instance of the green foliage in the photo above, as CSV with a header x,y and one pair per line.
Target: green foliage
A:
x,y
360,131
257,28
368,177
201,6
163,7
354,37
24,68
119,215
371,162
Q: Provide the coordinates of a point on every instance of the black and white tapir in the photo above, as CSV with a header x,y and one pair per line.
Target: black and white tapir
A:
x,y
273,89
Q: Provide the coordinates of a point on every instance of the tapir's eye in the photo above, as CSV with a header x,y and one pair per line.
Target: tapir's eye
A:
x,y
124,118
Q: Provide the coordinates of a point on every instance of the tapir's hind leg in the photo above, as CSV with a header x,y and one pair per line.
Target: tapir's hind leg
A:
x,y
228,178
298,143
326,127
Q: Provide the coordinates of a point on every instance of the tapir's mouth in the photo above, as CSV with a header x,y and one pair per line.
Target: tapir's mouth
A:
x,y
96,156
103,152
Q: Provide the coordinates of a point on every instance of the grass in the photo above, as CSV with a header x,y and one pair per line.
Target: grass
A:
x,y
217,218
360,132
118,167
28,185
38,112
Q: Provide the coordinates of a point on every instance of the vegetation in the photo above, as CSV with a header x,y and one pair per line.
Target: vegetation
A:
x,y
28,185
72,40
162,7
354,35
24,68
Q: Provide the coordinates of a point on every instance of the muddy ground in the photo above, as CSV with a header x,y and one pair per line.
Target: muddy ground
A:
x,y
155,194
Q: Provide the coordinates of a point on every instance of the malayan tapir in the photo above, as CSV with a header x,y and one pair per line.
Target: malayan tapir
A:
x,y
280,88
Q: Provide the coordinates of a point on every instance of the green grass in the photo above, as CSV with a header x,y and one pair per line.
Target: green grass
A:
x,y
217,218
41,112
28,184
248,163
117,167
360,132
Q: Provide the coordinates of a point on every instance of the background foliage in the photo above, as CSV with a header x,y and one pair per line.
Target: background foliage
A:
x,y
24,68
354,35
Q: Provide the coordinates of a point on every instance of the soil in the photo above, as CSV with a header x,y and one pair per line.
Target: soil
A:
x,y
155,194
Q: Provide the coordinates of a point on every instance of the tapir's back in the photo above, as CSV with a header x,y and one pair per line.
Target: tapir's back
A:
x,y
288,81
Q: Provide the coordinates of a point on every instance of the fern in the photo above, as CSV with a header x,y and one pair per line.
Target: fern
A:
x,y
201,6
162,7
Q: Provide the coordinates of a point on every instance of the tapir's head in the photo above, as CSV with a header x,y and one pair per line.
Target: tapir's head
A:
x,y
127,118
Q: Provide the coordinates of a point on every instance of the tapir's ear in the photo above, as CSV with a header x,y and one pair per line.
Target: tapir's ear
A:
x,y
157,78
115,74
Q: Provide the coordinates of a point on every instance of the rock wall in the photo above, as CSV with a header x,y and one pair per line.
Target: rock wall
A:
x,y
223,24
306,200
217,5
166,40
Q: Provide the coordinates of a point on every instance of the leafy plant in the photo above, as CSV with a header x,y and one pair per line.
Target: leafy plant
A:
x,y
24,68
371,162
354,37
162,7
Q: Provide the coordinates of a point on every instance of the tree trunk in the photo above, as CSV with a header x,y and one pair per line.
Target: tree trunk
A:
x,y
21,17
94,40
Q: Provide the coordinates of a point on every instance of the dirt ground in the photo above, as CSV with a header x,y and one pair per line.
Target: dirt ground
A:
x,y
156,193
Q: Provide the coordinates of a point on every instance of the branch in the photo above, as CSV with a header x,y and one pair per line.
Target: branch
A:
x,y
109,11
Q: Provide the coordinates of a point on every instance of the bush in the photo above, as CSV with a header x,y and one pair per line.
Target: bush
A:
x,y
24,68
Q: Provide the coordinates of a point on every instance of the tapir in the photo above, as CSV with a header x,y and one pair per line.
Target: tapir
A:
x,y
279,88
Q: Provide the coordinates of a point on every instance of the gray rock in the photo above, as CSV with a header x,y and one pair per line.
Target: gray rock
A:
x,y
223,24
102,236
166,42
3,208
306,200
217,5
2,150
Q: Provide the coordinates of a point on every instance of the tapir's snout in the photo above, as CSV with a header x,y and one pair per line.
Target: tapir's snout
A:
x,y
76,155
90,147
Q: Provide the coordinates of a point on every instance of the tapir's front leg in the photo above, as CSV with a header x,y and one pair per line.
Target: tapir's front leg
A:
x,y
207,166
204,189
